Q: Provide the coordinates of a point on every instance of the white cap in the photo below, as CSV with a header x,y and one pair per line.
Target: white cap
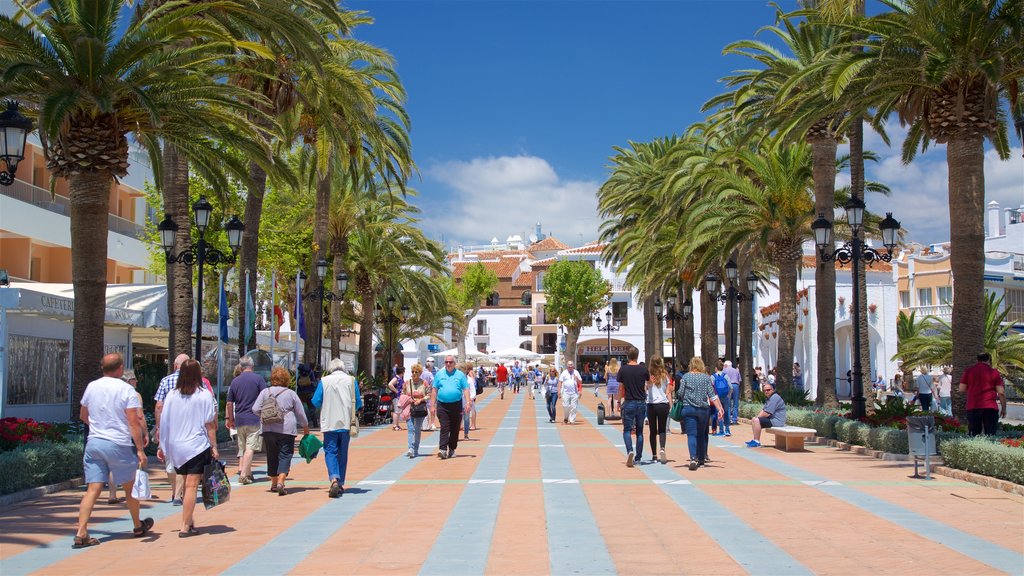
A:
x,y
771,379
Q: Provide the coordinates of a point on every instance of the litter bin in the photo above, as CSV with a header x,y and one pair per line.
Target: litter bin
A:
x,y
921,439
600,413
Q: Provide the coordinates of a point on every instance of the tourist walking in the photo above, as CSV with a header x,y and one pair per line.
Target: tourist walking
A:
x,y
280,426
633,378
697,393
983,385
418,392
395,386
551,391
570,383
132,381
659,389
166,385
798,377
451,393
109,406
469,409
502,378
723,389
772,414
924,389
337,396
611,376
517,377
188,432
733,375
945,390
428,379
239,414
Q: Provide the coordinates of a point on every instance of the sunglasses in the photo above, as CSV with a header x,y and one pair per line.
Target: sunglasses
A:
x,y
449,361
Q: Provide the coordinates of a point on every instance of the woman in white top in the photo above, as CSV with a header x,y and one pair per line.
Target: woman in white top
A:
x,y
188,435
659,388
946,391
469,411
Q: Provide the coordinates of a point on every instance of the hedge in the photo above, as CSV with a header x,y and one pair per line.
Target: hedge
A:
x,y
39,464
984,456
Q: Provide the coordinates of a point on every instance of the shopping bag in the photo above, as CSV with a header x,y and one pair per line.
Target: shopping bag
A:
x,y
216,486
140,490
309,447
676,412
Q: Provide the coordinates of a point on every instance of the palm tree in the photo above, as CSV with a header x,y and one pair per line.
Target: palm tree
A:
x,y
945,67
90,87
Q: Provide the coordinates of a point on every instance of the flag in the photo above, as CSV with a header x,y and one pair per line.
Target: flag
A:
x,y
300,318
279,316
223,311
250,312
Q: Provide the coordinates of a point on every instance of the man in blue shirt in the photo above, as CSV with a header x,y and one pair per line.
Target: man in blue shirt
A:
x,y
450,392
772,415
517,377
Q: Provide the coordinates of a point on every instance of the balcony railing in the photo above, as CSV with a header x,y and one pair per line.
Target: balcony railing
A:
x,y
40,197
944,311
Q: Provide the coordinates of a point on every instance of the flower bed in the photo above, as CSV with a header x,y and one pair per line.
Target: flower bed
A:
x,y
39,464
17,431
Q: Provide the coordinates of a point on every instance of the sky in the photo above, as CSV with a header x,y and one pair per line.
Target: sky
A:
x,y
517,106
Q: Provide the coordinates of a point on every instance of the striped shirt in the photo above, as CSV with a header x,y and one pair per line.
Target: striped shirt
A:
x,y
695,389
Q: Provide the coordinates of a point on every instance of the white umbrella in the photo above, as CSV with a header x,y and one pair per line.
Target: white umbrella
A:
x,y
518,353
470,354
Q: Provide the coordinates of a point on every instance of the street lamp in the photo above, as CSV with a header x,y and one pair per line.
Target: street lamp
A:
x,y
673,316
322,293
732,296
388,317
200,253
608,328
14,129
854,251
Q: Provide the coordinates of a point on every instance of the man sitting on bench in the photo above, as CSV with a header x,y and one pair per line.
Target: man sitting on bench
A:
x,y
772,414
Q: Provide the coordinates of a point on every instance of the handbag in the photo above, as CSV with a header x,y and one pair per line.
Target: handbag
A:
x,y
216,486
676,412
140,489
353,428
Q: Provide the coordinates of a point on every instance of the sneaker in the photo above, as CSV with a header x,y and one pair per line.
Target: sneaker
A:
x,y
693,464
409,453
753,444
661,456
451,454
176,502
442,455
630,459
727,433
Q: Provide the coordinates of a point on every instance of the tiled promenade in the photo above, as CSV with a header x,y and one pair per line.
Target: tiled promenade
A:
x,y
529,497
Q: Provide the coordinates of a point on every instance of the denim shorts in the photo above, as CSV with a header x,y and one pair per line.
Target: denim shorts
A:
x,y
103,457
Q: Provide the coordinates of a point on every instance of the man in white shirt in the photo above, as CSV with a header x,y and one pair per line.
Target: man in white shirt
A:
x,y
924,389
110,407
569,383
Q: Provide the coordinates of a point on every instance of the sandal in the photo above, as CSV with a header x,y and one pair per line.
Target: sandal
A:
x,y
115,500
142,528
84,542
188,533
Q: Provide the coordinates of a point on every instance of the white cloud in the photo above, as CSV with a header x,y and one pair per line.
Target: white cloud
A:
x,y
506,195
920,197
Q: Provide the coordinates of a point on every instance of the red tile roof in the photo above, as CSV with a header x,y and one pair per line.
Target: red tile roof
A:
x,y
549,243
594,248
525,280
543,263
503,267
773,308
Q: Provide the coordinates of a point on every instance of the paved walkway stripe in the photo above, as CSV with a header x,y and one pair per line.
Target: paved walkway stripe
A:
x,y
283,553
748,547
575,543
476,512
969,545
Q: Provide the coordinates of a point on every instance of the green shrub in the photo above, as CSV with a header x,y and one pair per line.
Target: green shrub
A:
x,y
39,464
888,440
828,425
984,456
851,431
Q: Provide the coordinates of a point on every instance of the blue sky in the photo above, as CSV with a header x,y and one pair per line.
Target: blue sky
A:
x,y
516,106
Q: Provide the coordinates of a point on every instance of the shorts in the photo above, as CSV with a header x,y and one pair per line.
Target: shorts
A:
x,y
249,438
103,458
765,421
196,464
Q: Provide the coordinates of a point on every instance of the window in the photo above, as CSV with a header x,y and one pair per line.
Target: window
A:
x,y
540,315
945,294
38,370
620,313
526,298
1014,300
494,299
524,326
924,296
481,327
904,299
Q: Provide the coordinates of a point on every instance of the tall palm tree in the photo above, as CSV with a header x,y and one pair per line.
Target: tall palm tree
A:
x,y
945,68
90,85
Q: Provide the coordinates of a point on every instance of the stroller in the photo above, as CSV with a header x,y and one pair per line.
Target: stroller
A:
x,y
384,409
368,416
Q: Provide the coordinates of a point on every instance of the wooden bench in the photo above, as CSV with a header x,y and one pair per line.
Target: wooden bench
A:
x,y
791,438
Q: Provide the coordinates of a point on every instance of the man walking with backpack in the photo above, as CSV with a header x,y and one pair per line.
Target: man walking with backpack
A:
x,y
723,389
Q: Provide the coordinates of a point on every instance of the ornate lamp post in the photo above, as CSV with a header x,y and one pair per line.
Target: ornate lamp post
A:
x,y
14,129
732,296
854,251
673,316
609,327
200,253
387,316
322,293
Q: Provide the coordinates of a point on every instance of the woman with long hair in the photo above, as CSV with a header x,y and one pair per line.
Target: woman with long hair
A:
x,y
697,392
659,389
279,437
551,387
188,436
611,377
418,392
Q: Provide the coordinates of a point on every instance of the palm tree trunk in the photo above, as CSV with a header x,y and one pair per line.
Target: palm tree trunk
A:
x,y
248,258
746,333
788,268
686,350
365,368
824,167
339,263
179,276
653,334
708,329
90,203
965,156
314,308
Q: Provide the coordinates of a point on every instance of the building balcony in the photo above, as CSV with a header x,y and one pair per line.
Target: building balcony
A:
x,y
941,311
41,198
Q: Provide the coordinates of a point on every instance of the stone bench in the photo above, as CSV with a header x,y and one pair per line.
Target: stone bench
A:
x,y
791,438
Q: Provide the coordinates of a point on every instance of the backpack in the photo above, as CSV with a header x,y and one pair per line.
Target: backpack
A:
x,y
270,411
721,385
